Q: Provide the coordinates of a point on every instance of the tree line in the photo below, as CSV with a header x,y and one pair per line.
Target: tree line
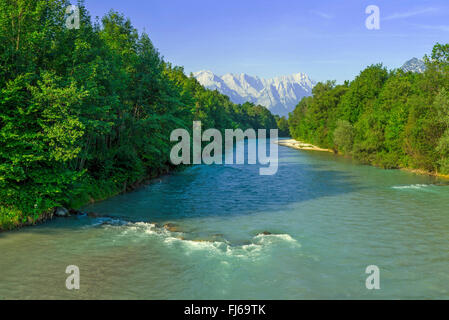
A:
x,y
390,119
87,113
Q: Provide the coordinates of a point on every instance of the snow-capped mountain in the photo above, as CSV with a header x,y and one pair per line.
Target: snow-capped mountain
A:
x,y
280,95
414,65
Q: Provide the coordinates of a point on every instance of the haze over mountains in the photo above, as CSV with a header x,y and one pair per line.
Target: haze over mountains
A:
x,y
280,95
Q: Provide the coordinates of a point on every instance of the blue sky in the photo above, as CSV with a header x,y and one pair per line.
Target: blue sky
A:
x,y
326,39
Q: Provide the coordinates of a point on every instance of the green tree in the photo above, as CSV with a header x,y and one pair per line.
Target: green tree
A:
x,y
344,136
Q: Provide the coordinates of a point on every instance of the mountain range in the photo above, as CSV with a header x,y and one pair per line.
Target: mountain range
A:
x,y
280,94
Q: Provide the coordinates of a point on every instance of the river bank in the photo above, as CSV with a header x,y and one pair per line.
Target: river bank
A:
x,y
295,144
12,219
424,172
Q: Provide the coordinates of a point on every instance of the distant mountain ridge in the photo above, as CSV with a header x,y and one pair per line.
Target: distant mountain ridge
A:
x,y
280,94
414,65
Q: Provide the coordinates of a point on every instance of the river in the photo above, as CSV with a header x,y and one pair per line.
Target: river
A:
x,y
328,218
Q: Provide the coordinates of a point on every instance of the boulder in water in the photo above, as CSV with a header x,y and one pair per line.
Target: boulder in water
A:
x,y
61,212
171,227
265,233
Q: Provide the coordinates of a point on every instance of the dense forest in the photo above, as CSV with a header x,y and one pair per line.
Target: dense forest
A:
x,y
389,119
87,113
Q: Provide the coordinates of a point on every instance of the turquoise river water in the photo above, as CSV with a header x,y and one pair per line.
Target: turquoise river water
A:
x,y
329,219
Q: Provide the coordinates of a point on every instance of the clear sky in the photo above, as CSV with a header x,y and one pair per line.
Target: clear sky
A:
x,y
327,39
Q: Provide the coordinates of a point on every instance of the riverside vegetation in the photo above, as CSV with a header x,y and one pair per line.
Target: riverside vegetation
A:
x,y
87,113
390,119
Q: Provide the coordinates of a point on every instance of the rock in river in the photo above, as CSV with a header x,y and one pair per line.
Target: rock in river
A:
x,y
61,212
171,227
